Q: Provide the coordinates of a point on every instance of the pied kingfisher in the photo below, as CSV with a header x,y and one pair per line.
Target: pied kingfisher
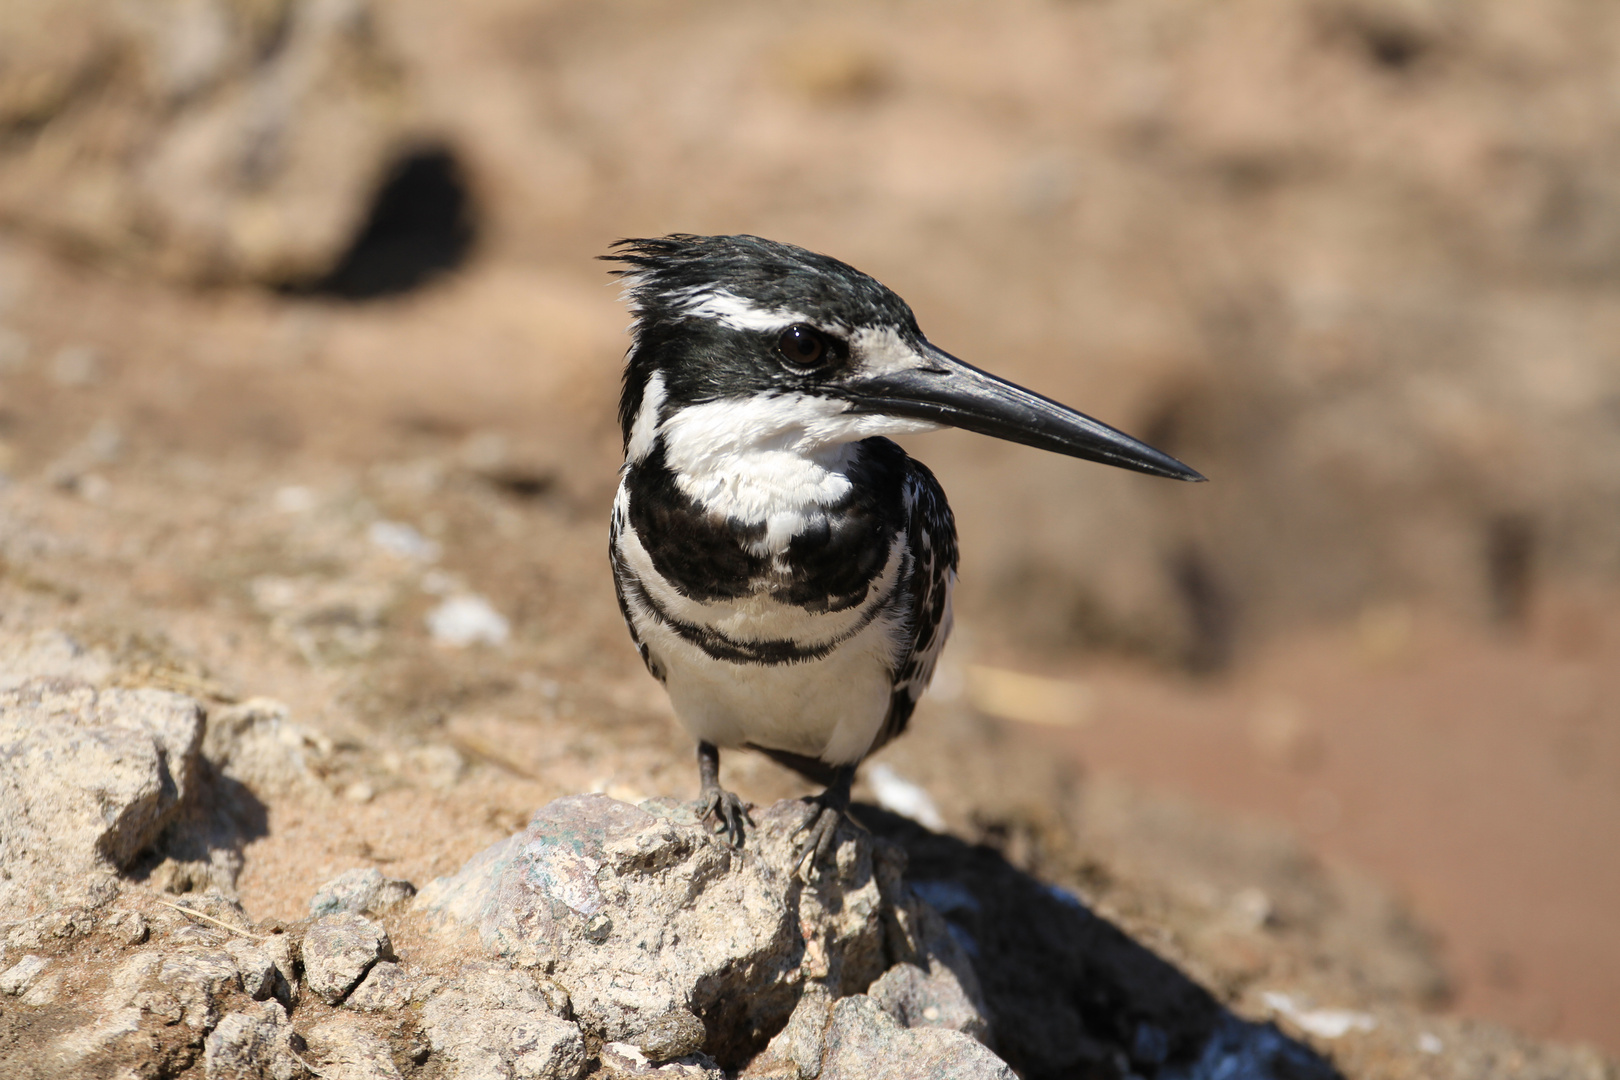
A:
x,y
785,569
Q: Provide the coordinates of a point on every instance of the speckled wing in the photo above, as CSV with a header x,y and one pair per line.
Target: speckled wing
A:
x,y
932,541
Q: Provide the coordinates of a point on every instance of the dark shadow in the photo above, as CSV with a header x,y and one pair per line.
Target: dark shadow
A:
x,y
1510,549
1071,995
202,847
1211,613
422,224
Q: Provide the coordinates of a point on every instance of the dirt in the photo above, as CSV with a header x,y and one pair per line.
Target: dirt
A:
x,y
1339,652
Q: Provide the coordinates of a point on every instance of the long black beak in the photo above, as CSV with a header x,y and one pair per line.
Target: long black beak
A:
x,y
948,391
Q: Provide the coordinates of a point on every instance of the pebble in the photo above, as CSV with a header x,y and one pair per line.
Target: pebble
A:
x,y
466,620
338,951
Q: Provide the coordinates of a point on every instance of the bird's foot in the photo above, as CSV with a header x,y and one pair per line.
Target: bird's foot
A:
x,y
729,812
821,827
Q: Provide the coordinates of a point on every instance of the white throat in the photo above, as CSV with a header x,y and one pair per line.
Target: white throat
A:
x,y
768,459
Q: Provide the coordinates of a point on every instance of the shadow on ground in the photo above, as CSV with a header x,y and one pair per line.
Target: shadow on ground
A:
x,y
1069,993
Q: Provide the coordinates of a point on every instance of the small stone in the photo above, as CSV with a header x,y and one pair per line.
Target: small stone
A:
x,y
674,1034
338,951
198,979
624,1061
15,979
254,1044
345,1050
486,1025
466,620
127,927
89,778
865,1043
801,1044
283,951
363,892
385,988
928,998
258,970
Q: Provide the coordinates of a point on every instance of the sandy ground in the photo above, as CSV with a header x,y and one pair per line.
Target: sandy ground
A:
x,y
220,441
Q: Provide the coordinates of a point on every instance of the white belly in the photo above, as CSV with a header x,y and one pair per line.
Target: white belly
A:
x,y
830,709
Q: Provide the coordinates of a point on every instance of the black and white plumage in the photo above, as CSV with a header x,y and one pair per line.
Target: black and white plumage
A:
x,y
784,568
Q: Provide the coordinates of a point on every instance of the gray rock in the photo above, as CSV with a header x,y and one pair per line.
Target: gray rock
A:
x,y
386,988
255,743
672,1035
284,951
261,978
338,950
865,1043
343,1049
364,892
16,978
253,1044
931,998
48,654
494,1023
127,927
88,778
197,979
796,1051
623,1061
641,912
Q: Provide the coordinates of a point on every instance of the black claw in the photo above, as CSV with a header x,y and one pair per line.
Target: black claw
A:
x,y
729,811
821,827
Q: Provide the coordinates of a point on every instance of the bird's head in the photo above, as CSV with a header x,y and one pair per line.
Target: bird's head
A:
x,y
744,342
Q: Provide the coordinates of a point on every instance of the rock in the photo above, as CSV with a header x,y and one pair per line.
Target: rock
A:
x,y
76,1047
254,1044
88,778
338,950
497,1023
935,985
16,978
127,928
386,988
865,1043
363,892
255,744
207,141
284,951
796,1051
931,998
262,976
623,1061
672,1035
49,654
197,979
642,913
345,1050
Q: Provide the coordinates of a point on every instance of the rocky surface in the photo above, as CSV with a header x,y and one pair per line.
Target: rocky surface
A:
x,y
88,779
602,939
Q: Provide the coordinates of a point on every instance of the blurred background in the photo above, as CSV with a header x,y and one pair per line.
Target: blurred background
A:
x,y
1356,260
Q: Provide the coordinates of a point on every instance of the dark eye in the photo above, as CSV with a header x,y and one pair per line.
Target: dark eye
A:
x,y
803,347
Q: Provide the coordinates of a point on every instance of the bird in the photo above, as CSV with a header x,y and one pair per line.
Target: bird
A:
x,y
785,569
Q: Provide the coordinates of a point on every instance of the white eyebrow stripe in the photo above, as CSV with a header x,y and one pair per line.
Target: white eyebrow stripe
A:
x,y
730,310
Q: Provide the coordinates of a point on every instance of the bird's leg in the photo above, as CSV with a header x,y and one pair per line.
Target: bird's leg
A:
x,y
726,808
819,829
